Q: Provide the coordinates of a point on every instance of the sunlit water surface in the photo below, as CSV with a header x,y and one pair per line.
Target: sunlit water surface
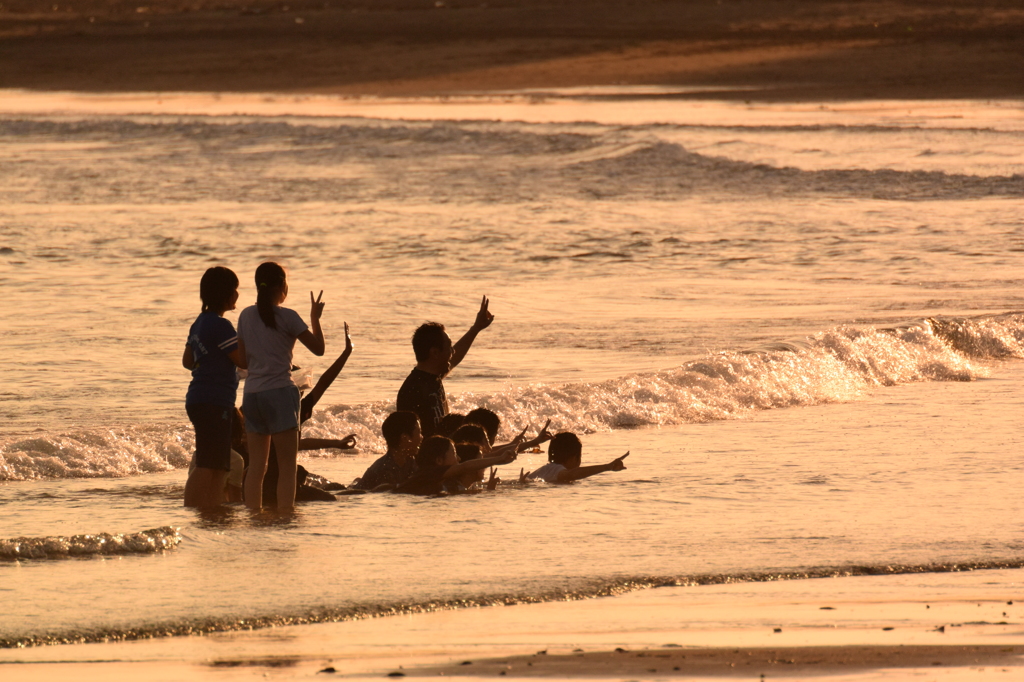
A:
x,y
869,257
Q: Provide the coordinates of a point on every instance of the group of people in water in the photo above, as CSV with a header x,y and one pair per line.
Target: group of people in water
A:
x,y
250,455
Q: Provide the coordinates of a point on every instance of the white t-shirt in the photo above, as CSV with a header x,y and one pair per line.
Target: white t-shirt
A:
x,y
269,351
549,472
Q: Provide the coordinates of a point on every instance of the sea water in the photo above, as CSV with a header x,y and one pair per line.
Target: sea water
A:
x,y
800,320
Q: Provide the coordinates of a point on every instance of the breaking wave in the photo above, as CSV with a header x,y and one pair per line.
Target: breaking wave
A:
x,y
836,365
101,544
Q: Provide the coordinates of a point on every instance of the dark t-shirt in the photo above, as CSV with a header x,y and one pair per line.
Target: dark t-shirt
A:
x,y
387,470
423,393
214,381
429,481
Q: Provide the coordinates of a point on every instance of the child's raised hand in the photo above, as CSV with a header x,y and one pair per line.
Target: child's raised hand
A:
x,y
508,456
618,464
316,308
543,435
523,480
493,481
348,339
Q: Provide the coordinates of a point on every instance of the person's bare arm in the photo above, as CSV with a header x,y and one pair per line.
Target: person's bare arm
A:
x,y
188,361
346,443
479,463
314,340
326,379
237,356
568,476
482,322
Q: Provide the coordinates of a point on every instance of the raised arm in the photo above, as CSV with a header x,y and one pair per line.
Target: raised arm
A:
x,y
326,379
482,322
570,475
480,463
314,340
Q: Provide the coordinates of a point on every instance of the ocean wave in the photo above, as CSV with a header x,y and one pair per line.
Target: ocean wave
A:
x,y
835,365
577,590
101,544
661,169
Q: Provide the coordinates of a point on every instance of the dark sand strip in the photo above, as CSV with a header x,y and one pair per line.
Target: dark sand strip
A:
x,y
781,49
672,662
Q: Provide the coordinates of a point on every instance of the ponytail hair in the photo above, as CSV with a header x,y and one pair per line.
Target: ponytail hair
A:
x,y
216,288
270,280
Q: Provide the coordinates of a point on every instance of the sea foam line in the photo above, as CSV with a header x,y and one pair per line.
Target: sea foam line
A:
x,y
835,365
100,544
589,589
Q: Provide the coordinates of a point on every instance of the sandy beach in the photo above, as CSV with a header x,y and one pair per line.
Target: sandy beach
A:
x,y
954,626
784,51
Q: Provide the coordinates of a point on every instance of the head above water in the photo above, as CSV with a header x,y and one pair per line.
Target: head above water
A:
x,y
399,424
271,290
433,347
435,451
565,448
487,419
218,290
472,433
450,423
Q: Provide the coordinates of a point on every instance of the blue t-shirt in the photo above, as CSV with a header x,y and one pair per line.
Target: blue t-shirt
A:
x,y
214,381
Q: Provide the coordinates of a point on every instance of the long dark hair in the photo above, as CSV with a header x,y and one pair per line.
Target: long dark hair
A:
x,y
216,288
270,280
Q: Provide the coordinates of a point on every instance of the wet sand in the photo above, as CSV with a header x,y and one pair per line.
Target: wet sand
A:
x,y
782,50
950,626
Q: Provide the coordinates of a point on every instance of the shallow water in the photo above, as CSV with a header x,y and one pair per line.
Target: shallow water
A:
x,y
870,261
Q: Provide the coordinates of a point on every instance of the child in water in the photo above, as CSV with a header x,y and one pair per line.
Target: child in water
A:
x,y
565,454
440,469
267,333
212,352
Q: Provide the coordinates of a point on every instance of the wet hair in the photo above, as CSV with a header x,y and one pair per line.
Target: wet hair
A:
x,y
432,449
467,451
396,425
270,279
450,422
563,447
487,419
216,288
428,335
470,433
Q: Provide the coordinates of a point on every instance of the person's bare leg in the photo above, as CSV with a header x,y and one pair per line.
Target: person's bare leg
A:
x,y
259,453
205,488
286,445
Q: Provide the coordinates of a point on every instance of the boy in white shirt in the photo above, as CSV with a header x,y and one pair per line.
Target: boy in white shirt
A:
x,y
565,454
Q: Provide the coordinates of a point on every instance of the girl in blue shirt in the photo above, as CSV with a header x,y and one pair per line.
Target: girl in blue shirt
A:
x,y
212,353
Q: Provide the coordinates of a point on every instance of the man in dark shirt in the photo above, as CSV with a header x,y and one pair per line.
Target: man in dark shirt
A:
x,y
402,433
436,356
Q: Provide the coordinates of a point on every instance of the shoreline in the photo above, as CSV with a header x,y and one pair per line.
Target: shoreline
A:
x,y
785,51
966,625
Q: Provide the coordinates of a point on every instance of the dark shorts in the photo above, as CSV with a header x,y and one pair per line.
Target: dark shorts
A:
x,y
213,435
271,411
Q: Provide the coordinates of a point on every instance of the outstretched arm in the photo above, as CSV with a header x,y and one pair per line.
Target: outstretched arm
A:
x,y
482,322
346,443
578,473
326,379
479,463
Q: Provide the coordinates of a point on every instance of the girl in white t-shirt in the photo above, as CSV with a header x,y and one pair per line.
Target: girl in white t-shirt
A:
x,y
270,402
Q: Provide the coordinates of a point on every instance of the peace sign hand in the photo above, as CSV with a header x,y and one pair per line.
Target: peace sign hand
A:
x,y
316,308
